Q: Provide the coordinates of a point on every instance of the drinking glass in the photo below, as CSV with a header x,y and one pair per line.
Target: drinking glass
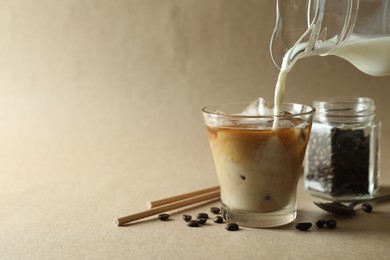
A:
x,y
258,167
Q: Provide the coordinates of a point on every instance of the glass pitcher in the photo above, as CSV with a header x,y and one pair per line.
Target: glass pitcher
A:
x,y
355,30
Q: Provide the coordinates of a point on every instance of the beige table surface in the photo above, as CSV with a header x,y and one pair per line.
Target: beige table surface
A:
x,y
100,111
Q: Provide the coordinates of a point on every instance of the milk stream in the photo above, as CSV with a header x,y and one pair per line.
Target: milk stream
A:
x,y
371,56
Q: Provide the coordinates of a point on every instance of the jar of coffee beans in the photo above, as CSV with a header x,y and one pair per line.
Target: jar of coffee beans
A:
x,y
342,158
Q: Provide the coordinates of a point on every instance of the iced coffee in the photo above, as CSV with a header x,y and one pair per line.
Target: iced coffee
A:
x,y
258,167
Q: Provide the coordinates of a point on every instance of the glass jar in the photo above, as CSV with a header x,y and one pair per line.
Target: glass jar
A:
x,y
342,158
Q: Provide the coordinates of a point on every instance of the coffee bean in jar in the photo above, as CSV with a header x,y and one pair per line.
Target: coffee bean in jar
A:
x,y
342,157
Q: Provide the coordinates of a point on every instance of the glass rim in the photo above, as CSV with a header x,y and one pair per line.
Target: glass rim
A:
x,y
344,100
207,112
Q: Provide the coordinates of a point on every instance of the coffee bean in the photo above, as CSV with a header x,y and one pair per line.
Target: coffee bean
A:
x,y
232,227
202,215
215,210
320,223
339,157
193,223
367,207
163,217
303,226
330,223
186,217
202,221
218,219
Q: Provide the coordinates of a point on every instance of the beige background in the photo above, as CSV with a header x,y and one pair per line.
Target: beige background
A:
x,y
100,111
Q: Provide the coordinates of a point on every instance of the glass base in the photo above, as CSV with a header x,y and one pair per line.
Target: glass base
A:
x,y
352,197
259,220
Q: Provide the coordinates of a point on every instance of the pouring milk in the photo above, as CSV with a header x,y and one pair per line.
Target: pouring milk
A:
x,y
371,56
355,30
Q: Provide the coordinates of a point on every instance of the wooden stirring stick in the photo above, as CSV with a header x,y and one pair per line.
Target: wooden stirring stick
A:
x,y
157,203
211,196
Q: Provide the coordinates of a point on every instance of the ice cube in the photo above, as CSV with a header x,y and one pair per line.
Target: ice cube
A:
x,y
285,113
258,108
285,123
291,121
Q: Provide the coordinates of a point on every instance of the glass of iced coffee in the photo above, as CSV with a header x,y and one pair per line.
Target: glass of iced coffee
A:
x,y
258,165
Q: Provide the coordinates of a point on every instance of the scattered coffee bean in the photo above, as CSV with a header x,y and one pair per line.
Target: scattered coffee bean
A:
x,y
232,227
193,223
367,207
215,210
202,215
163,217
218,219
320,223
303,226
202,221
330,223
186,217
